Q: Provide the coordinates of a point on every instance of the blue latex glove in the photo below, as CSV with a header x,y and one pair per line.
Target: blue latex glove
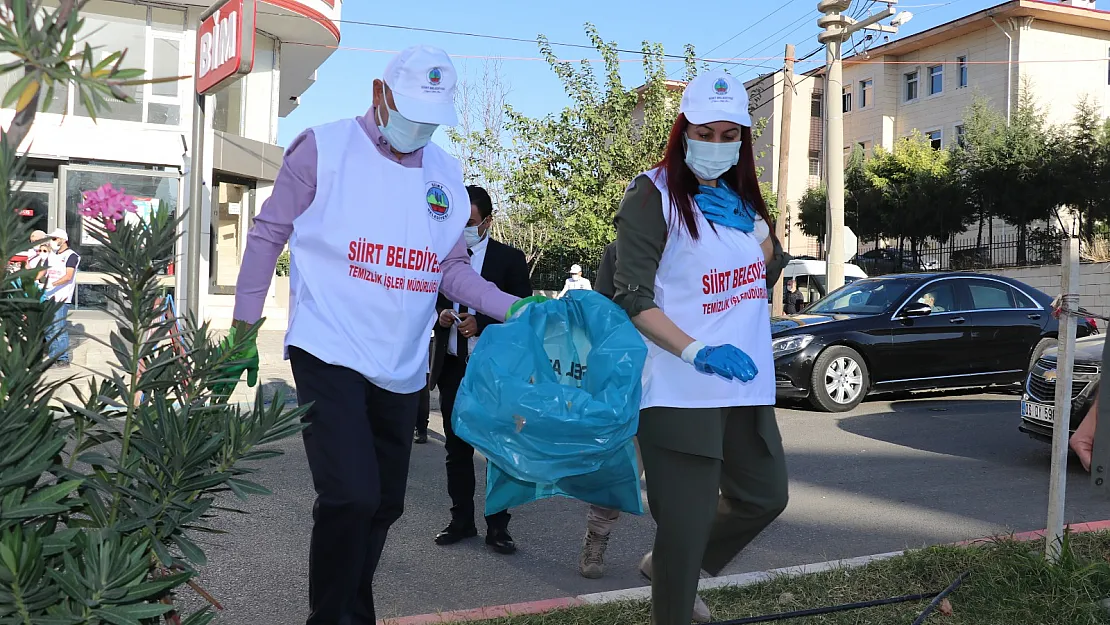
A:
x,y
722,206
727,361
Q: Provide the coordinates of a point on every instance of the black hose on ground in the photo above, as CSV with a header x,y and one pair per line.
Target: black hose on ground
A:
x,y
940,596
935,596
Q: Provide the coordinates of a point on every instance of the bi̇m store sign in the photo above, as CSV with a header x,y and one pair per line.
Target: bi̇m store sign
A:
x,y
225,44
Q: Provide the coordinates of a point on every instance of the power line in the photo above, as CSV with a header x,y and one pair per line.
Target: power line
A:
x,y
761,20
798,24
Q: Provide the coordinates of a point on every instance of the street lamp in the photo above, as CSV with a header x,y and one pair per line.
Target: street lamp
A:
x,y
837,29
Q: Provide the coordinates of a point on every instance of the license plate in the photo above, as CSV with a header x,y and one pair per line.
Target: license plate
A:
x,y
1038,412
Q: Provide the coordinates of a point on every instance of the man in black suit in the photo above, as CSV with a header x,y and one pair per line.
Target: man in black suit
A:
x,y
455,335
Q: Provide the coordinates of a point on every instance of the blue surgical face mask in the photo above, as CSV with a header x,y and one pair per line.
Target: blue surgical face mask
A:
x,y
405,135
709,161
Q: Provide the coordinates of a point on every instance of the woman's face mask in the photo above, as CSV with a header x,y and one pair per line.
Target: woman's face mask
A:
x,y
710,160
405,135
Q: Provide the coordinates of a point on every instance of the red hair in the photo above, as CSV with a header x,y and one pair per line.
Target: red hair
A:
x,y
682,185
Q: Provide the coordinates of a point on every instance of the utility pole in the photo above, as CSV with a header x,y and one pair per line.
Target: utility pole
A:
x,y
838,28
1065,359
778,290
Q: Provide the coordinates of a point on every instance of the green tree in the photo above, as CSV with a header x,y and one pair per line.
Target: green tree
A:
x,y
862,201
979,165
572,168
1079,165
919,200
812,209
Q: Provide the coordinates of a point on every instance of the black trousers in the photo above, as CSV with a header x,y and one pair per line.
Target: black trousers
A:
x,y
460,455
423,411
358,442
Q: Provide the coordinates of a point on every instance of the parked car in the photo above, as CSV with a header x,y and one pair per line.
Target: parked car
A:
x,y
912,332
809,276
892,260
1038,401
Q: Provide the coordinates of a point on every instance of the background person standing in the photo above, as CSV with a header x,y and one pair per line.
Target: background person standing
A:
x,y
792,300
455,335
61,274
575,281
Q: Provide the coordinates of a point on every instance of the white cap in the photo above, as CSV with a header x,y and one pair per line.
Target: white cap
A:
x,y
716,96
59,234
575,269
423,79
38,235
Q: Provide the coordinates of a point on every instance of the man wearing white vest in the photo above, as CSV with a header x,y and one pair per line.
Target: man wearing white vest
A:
x,y
374,215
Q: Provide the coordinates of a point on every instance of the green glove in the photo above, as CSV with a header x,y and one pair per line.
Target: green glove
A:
x,y
521,304
244,359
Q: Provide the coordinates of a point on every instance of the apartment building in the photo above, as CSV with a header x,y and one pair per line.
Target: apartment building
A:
x,y
143,146
926,82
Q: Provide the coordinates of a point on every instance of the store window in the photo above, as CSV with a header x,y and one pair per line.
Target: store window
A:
x,y
260,93
228,116
152,190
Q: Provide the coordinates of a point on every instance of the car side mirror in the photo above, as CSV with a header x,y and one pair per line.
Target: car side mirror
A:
x,y
916,309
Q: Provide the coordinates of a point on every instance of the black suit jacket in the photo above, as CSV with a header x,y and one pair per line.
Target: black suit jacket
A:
x,y
507,268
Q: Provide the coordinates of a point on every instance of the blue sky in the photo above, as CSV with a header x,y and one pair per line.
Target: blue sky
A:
x,y
343,86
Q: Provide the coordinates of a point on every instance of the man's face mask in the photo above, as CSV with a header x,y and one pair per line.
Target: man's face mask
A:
x,y
474,235
405,135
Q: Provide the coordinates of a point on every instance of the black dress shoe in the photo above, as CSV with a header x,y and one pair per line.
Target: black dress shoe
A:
x,y
454,533
500,541
420,438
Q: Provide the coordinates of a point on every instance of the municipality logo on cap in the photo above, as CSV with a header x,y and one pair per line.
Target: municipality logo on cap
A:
x,y
721,86
434,76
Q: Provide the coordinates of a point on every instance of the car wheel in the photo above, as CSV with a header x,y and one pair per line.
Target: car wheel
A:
x,y
839,381
1038,351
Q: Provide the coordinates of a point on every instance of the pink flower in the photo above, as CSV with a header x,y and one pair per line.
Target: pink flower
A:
x,y
107,204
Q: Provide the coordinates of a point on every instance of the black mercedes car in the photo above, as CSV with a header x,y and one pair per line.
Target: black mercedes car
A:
x,y
1038,401
912,332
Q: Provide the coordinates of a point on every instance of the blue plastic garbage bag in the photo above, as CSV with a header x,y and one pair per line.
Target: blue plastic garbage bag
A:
x,y
552,398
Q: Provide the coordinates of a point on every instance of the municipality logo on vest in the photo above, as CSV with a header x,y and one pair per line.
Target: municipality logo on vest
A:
x,y
439,201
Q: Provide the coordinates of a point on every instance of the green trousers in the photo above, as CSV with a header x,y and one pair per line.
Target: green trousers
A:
x,y
716,477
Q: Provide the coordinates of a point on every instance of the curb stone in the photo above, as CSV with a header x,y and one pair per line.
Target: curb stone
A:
x,y
741,579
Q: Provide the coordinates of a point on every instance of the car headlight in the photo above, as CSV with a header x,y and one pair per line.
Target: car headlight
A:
x,y
790,344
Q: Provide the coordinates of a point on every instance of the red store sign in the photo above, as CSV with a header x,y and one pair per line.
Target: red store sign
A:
x,y
225,44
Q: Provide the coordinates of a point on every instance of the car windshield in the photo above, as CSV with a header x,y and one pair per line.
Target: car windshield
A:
x,y
862,297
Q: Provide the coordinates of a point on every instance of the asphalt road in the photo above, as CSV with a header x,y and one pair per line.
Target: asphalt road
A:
x,y
895,473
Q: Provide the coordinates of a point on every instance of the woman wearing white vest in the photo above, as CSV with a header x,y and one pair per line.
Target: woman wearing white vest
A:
x,y
374,217
693,252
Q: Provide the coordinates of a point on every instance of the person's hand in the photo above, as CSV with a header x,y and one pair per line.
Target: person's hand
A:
x,y
723,207
523,303
468,327
1082,442
446,318
727,361
242,356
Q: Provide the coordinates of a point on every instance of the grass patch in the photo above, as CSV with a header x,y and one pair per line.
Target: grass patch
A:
x,y
1010,584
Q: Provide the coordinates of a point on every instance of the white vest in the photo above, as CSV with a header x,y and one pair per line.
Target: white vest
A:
x,y
365,256
715,290
56,270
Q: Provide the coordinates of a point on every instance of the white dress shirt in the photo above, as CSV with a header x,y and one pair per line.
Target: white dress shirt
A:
x,y
477,260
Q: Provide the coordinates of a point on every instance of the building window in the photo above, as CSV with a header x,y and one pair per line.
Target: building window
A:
x,y
961,69
936,79
960,135
153,40
911,86
846,99
865,146
934,138
815,164
866,89
815,105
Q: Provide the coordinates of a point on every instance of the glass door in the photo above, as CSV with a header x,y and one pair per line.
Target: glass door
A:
x,y
37,206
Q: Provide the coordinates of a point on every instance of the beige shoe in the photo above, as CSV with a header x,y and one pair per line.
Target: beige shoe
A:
x,y
701,610
591,562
